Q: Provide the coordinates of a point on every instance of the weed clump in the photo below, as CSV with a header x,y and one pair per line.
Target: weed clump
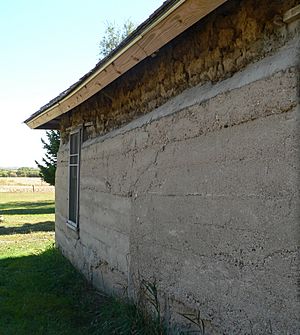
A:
x,y
121,317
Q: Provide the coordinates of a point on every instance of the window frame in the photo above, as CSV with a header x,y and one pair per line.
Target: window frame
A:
x,y
71,224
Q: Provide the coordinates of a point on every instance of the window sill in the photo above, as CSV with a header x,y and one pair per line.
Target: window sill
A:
x,y
72,225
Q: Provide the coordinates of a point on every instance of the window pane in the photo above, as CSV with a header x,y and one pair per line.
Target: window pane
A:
x,y
73,176
74,143
73,194
74,159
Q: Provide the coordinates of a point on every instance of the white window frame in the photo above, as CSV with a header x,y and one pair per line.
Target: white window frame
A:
x,y
74,225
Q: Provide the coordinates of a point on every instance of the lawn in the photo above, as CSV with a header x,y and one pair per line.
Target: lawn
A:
x,y
40,292
28,226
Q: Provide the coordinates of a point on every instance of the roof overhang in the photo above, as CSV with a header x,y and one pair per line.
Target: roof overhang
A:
x,y
170,20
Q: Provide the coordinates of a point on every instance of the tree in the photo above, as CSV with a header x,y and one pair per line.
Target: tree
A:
x,y
113,36
51,145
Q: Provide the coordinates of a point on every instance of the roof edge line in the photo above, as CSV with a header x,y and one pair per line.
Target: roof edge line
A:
x,y
110,61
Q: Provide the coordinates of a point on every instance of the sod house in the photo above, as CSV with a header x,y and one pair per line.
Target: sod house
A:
x,y
178,167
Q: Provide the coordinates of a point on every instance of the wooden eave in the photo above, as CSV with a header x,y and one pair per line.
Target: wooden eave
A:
x,y
158,32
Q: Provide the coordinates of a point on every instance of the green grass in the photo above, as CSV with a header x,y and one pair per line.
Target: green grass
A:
x,y
40,292
28,226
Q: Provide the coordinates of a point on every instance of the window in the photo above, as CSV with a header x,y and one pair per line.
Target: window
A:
x,y
74,166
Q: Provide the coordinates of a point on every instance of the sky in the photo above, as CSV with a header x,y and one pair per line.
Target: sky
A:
x,y
45,46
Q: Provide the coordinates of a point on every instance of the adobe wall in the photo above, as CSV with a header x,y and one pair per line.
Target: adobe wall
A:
x,y
201,195
226,41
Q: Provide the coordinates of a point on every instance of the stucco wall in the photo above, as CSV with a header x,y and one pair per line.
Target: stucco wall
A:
x,y
201,195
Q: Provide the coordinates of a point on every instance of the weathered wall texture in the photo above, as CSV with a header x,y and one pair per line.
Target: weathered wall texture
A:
x,y
238,33
200,195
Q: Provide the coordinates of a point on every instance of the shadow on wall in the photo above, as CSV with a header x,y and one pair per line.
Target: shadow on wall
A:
x,y
28,228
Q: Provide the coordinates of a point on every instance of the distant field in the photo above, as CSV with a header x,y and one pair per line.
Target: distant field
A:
x,y
22,181
24,184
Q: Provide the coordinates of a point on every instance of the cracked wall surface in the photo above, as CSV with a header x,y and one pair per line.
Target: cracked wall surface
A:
x,y
201,194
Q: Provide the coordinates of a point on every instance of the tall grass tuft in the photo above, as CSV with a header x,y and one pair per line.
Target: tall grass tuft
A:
x,y
121,317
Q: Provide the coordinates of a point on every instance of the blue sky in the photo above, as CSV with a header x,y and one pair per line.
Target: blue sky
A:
x,y
45,47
